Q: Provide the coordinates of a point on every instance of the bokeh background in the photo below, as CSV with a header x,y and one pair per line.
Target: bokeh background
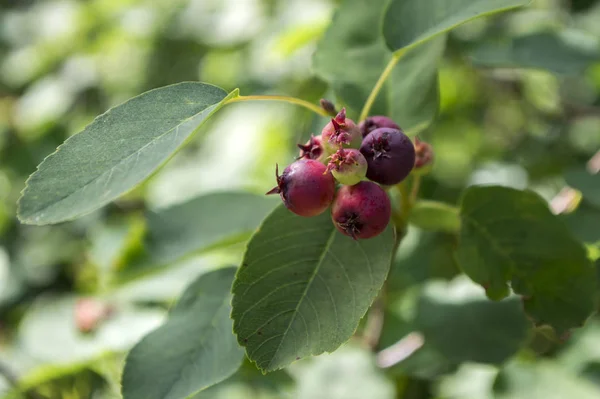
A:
x,y
63,62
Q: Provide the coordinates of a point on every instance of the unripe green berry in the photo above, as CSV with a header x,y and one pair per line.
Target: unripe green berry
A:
x,y
348,166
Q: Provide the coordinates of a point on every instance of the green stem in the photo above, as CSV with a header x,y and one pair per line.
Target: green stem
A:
x,y
291,100
379,85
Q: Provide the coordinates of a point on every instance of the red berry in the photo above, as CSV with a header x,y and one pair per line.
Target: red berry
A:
x,y
306,187
340,132
375,122
362,210
313,149
390,155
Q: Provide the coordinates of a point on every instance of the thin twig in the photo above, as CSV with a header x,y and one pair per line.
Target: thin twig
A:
x,y
290,100
379,85
401,350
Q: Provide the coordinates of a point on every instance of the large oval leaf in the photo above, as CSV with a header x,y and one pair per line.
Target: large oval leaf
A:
x,y
354,38
410,22
117,151
510,236
194,349
303,287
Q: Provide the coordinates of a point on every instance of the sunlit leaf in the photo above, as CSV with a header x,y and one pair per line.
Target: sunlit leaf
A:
x,y
117,151
303,287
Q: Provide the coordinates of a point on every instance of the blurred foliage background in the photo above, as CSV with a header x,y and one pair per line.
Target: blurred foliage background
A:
x,y
62,62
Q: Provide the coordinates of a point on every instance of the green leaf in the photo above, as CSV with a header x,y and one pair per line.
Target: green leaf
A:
x,y
117,151
510,236
544,50
464,326
436,216
587,183
408,23
352,54
303,287
198,225
193,350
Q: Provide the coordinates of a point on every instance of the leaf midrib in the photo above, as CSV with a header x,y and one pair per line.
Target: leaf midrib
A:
x,y
304,294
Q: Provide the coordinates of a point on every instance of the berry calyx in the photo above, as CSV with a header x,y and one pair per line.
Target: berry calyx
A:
x,y
313,149
340,132
348,166
306,187
361,211
375,122
390,155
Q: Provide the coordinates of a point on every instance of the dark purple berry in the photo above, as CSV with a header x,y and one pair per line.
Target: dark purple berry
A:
x,y
313,149
362,210
375,122
390,155
348,166
306,187
340,132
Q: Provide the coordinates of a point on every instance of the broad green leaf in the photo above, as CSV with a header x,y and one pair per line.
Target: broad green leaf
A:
x,y
587,183
117,151
509,236
433,215
464,326
539,51
303,287
408,23
352,55
193,350
198,225
349,373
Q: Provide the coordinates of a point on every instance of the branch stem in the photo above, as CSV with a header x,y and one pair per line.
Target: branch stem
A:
x,y
379,85
290,100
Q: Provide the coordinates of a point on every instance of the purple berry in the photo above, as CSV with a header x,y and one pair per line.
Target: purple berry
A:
x,y
361,211
348,166
390,155
340,132
313,149
306,187
375,122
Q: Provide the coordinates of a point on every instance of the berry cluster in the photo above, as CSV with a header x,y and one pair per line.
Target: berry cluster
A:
x,y
358,157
